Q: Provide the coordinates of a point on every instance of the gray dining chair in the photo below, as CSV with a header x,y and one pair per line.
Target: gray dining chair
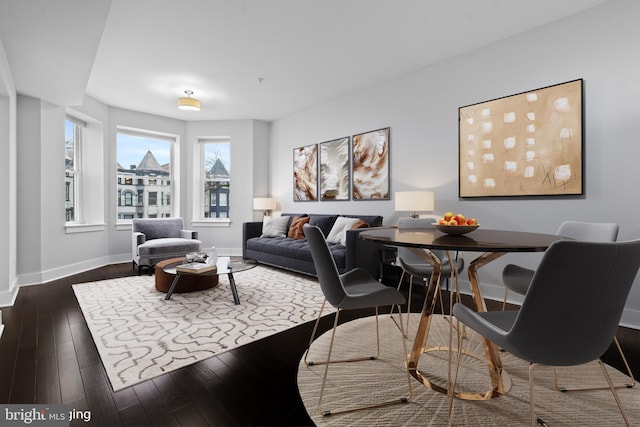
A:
x,y
571,310
517,279
355,289
416,266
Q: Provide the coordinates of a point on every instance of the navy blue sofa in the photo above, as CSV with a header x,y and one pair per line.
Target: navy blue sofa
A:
x,y
295,255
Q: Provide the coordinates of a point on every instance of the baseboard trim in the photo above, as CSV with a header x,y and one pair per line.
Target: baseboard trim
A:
x,y
46,276
7,298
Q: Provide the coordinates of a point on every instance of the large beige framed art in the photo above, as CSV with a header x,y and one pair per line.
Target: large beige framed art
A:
x,y
528,144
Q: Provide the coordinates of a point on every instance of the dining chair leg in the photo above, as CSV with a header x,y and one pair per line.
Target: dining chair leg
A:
x,y
313,334
532,404
406,333
405,353
629,384
394,306
356,359
504,300
329,362
409,303
614,392
611,387
452,386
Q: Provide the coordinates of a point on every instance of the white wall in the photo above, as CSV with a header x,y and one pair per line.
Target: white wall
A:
x,y
8,212
421,108
45,250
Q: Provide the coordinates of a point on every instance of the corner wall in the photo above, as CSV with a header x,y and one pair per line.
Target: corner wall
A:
x,y
8,210
422,110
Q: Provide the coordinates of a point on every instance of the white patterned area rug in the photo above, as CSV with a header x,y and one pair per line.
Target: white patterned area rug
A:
x,y
139,335
352,384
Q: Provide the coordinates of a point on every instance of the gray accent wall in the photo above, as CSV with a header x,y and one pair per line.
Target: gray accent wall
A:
x,y
599,45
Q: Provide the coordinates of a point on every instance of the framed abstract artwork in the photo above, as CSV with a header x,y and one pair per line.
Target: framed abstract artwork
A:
x,y
370,165
305,173
335,171
528,144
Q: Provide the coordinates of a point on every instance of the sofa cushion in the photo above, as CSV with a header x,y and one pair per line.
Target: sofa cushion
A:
x,y
372,220
170,245
294,248
324,222
275,226
296,228
338,233
156,228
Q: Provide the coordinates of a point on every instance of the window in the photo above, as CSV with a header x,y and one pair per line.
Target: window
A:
x,y
85,175
145,165
216,167
72,165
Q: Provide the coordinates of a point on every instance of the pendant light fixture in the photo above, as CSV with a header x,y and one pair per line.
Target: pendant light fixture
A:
x,y
188,103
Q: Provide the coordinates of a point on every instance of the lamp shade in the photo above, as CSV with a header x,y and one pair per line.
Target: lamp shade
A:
x,y
264,204
187,103
414,201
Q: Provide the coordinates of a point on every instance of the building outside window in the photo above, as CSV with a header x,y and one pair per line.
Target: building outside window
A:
x,y
144,165
72,160
216,167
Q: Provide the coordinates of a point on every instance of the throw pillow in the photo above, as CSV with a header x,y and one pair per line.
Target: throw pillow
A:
x,y
360,224
274,227
296,229
338,233
324,222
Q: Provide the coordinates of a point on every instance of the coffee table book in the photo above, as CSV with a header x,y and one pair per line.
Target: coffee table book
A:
x,y
195,268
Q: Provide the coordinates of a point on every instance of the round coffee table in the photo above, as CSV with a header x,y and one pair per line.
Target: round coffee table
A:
x,y
191,283
225,265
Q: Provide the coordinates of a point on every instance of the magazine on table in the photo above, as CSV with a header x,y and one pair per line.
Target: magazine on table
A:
x,y
195,267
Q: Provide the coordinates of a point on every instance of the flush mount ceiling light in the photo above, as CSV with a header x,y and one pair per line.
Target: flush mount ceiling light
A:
x,y
188,103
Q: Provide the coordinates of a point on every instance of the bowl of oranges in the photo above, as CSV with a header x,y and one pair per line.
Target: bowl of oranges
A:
x,y
456,224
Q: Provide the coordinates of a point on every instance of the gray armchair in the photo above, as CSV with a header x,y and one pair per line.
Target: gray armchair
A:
x,y
157,239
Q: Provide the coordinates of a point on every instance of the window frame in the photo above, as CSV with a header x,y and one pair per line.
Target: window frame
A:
x,y
172,181
202,180
90,196
79,127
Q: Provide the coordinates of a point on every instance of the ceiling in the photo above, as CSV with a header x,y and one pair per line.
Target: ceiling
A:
x,y
244,59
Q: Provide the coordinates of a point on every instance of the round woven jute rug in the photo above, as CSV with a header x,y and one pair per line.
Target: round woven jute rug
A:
x,y
357,383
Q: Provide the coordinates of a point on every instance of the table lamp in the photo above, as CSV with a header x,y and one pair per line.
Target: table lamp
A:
x,y
264,204
414,201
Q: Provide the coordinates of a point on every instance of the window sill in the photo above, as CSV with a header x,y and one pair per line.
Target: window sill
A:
x,y
224,222
84,228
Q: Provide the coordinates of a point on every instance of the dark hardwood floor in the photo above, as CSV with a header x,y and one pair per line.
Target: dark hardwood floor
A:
x,y
47,356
